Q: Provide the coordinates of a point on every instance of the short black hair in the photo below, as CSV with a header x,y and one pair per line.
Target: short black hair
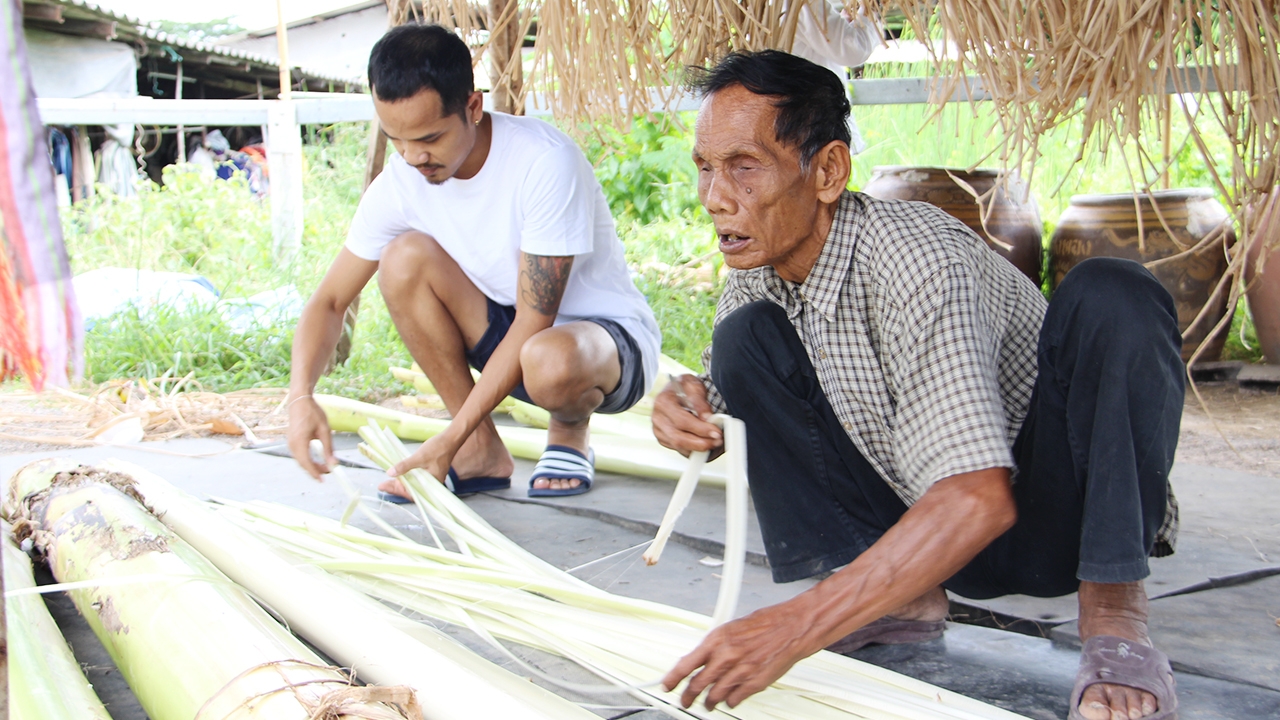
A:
x,y
413,58
813,107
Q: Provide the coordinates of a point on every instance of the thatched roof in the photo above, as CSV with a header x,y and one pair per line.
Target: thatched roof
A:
x,y
1108,63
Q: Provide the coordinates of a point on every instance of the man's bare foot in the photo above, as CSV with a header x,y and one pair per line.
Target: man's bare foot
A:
x,y
1118,609
482,455
576,436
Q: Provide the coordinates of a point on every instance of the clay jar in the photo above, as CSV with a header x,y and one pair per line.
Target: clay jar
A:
x,y
1107,226
1012,216
1264,286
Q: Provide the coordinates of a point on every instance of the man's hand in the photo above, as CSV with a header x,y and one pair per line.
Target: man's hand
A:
x,y
682,415
743,657
955,519
308,422
435,456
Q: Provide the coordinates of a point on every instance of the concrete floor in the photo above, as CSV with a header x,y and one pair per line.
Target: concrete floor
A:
x,y
1215,609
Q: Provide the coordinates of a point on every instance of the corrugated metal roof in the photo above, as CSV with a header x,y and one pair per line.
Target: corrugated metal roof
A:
x,y
308,20
130,28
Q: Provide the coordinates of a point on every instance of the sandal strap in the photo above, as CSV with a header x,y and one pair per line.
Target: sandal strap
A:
x,y
562,462
1117,661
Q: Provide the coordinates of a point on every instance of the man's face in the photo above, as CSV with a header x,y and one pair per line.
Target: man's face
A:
x,y
765,209
432,142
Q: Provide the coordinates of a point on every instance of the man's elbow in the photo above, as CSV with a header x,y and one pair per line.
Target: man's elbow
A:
x,y
1001,507
1006,515
988,495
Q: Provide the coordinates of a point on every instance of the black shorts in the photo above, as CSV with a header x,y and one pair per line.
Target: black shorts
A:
x,y
630,387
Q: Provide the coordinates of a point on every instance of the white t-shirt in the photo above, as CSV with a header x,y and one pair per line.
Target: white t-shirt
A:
x,y
535,193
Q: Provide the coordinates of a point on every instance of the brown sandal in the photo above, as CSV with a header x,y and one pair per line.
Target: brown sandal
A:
x,y
1117,661
889,631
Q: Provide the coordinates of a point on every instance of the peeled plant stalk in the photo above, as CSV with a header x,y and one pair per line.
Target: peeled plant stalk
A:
x,y
636,454
452,683
735,496
502,592
45,680
190,643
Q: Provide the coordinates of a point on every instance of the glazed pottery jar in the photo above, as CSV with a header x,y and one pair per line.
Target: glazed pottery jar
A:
x,y
1012,216
1108,226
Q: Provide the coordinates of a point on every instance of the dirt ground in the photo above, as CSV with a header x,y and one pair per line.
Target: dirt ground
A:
x,y
1249,420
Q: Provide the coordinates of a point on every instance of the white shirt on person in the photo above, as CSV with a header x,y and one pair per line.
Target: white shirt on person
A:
x,y
825,37
536,193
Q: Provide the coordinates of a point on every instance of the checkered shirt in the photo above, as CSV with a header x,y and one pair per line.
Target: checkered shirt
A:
x,y
924,341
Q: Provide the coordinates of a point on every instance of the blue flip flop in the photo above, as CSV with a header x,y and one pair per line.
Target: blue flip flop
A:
x,y
561,462
469,486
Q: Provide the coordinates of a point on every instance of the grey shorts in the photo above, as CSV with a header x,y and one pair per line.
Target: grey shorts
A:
x,y
630,387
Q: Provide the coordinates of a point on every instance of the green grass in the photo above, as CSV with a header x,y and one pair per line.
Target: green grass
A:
x,y
216,229
194,224
678,268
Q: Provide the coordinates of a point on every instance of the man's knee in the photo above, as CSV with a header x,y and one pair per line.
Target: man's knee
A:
x,y
750,340
552,367
1117,290
404,261
1116,303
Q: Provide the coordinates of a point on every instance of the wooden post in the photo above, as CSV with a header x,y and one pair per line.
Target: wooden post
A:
x,y
375,158
282,48
182,135
506,70
284,162
262,127
284,158
1166,139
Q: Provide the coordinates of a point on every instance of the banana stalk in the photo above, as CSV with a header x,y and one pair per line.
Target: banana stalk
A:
x,y
190,643
452,682
44,678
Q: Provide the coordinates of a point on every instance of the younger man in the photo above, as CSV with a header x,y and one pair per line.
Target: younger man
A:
x,y
494,248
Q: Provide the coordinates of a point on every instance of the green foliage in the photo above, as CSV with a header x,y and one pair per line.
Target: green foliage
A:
x,y
199,341
646,172
195,224
679,269
198,31
1242,343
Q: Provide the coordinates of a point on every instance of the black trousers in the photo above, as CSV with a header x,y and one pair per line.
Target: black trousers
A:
x,y
1093,454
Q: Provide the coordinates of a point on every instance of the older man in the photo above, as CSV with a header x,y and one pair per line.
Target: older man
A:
x,y
917,418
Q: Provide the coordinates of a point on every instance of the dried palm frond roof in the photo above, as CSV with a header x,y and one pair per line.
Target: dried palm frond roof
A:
x,y
1110,64
1107,64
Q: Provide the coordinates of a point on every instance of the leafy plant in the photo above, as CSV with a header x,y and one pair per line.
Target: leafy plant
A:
x,y
678,267
646,171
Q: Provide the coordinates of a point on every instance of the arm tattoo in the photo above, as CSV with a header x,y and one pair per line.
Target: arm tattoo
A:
x,y
542,280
